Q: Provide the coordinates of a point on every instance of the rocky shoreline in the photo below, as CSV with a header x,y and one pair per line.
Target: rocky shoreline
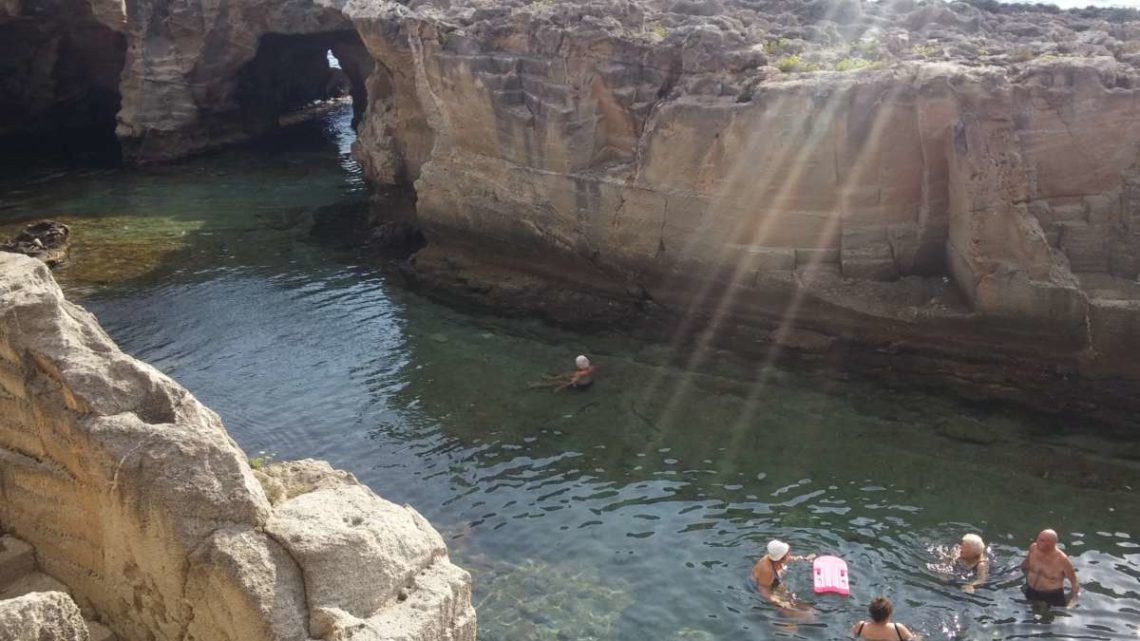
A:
x,y
143,510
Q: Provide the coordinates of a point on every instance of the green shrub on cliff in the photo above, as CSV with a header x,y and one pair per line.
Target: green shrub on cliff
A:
x,y
796,64
262,459
854,64
927,50
776,46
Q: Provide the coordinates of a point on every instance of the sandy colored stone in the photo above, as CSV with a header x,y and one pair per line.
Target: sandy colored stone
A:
x,y
41,616
139,503
356,550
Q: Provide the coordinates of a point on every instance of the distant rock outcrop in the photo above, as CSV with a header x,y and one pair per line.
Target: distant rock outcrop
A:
x,y
137,500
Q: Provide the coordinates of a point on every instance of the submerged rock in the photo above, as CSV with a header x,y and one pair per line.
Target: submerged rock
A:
x,y
46,240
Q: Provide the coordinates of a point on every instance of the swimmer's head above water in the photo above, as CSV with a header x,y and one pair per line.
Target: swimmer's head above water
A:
x,y
582,362
778,550
1047,540
972,546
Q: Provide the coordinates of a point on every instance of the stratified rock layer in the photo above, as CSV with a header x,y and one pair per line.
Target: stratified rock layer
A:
x,y
136,498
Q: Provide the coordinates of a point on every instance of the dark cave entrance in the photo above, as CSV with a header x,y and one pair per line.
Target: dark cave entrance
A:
x,y
291,72
59,79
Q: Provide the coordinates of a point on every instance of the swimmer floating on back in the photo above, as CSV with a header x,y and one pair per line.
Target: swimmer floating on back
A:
x,y
581,378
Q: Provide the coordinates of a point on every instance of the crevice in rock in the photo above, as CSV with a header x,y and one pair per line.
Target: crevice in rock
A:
x,y
307,619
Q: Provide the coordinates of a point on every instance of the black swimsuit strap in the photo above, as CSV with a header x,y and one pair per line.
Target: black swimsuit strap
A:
x,y
860,630
898,632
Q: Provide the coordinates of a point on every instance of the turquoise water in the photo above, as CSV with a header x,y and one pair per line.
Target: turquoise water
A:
x,y
630,511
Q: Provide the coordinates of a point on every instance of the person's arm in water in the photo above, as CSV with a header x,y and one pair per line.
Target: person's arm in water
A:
x,y
982,573
1072,574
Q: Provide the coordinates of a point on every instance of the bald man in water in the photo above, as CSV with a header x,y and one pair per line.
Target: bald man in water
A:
x,y
1046,569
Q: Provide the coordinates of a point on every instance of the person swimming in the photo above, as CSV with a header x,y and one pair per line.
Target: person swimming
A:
x,y
768,570
880,627
581,378
970,555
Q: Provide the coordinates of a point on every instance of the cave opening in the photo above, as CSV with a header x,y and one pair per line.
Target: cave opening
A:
x,y
291,72
59,80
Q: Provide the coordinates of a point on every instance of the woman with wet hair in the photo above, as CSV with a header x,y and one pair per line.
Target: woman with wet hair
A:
x,y
971,556
880,627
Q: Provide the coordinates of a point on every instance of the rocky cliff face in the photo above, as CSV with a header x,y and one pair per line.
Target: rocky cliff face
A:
x,y
136,498
950,177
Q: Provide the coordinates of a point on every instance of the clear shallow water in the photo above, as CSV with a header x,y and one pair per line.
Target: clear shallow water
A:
x,y
631,511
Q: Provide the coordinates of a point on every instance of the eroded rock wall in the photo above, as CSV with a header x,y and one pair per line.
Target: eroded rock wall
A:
x,y
882,172
136,498
651,151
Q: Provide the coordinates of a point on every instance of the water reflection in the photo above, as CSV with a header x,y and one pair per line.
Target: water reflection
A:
x,y
624,512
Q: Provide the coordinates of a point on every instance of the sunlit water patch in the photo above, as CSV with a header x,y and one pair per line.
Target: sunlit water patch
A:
x,y
633,510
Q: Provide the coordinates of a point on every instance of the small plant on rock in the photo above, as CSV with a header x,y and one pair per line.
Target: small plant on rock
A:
x,y
926,50
776,46
796,64
262,459
854,64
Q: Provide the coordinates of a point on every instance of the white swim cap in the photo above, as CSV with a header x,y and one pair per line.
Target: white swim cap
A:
x,y
777,549
582,362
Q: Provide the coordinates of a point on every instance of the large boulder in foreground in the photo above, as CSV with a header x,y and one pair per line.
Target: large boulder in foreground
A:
x,y
137,499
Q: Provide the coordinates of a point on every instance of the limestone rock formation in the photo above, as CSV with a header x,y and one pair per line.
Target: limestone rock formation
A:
x,y
42,616
948,176
136,498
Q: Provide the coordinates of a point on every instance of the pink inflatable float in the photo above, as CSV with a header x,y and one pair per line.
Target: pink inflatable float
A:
x,y
829,575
